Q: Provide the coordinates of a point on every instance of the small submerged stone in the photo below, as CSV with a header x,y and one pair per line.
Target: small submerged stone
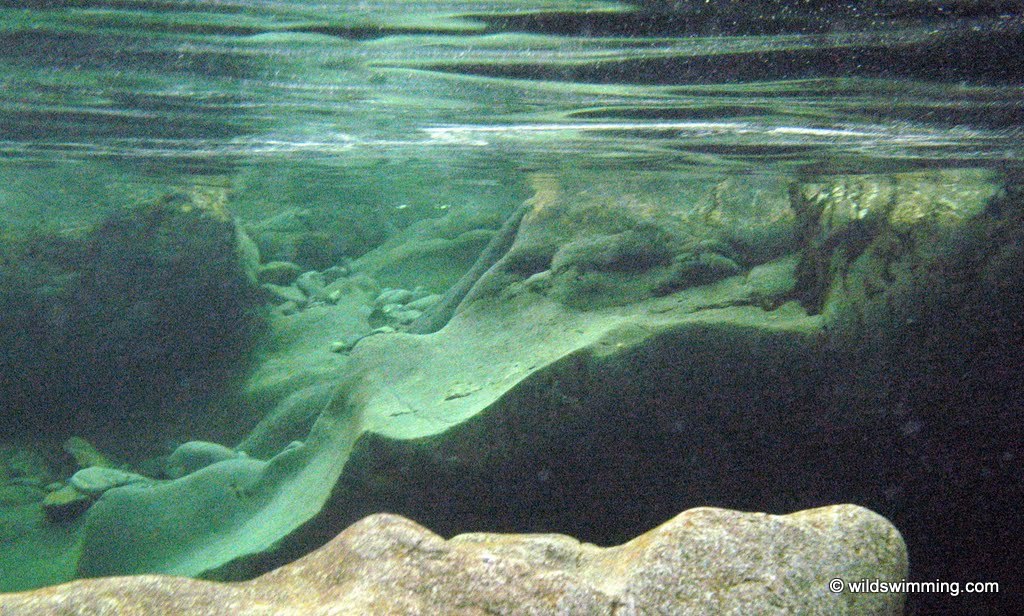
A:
x,y
344,346
85,454
96,480
424,303
279,272
393,296
194,455
278,294
311,283
65,504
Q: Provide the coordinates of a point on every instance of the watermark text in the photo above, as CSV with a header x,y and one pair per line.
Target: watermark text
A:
x,y
838,585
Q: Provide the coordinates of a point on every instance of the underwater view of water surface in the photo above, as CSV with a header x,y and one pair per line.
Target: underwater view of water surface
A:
x,y
628,272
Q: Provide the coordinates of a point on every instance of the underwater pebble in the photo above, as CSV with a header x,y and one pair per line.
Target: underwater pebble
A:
x,y
278,272
341,346
65,504
96,480
336,272
396,314
84,453
404,317
393,296
279,295
345,346
311,283
194,455
288,308
424,303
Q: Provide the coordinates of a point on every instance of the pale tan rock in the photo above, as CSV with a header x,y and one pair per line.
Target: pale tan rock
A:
x,y
703,561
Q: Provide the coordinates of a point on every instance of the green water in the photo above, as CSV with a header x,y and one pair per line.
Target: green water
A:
x,y
368,120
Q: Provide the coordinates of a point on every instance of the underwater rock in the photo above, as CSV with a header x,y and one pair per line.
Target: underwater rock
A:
x,y
886,218
282,295
393,315
65,504
279,235
700,269
85,454
194,455
702,561
433,253
282,273
288,308
424,303
166,284
606,246
311,283
294,235
336,272
751,215
96,480
393,296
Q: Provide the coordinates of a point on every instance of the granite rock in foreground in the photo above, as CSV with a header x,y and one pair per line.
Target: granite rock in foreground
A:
x,y
704,560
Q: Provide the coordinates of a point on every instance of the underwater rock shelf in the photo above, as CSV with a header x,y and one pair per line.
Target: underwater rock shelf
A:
x,y
704,560
516,329
627,358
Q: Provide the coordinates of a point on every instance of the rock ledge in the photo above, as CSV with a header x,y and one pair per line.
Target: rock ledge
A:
x,y
704,560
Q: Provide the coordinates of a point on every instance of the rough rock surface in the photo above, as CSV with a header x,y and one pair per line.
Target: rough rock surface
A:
x,y
703,561
537,410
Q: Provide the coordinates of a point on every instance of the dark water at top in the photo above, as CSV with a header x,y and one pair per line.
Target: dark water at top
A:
x,y
479,91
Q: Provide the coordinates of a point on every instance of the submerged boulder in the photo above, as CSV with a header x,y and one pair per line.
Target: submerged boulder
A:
x,y
164,313
96,480
194,455
703,560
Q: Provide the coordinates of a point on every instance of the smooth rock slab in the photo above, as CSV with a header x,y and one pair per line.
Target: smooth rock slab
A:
x,y
703,561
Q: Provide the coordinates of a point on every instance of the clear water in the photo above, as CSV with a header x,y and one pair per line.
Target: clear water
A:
x,y
399,111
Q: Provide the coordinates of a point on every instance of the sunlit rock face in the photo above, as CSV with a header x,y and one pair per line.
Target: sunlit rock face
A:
x,y
911,218
702,560
591,243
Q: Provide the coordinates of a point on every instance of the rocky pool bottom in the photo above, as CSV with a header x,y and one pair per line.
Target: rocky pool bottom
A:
x,y
193,398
